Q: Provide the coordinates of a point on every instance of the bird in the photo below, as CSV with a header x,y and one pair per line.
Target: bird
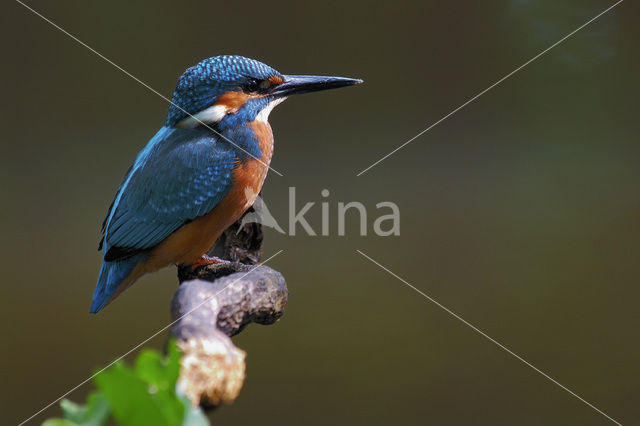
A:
x,y
199,173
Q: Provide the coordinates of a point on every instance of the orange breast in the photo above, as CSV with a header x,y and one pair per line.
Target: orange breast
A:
x,y
194,239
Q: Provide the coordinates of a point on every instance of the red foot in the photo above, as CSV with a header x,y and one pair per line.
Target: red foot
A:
x,y
207,260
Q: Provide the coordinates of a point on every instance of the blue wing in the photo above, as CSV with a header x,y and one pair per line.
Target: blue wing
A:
x,y
180,175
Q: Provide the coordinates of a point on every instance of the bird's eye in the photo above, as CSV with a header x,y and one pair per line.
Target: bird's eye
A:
x,y
256,86
252,85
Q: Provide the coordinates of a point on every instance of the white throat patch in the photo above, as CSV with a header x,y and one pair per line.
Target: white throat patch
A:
x,y
263,115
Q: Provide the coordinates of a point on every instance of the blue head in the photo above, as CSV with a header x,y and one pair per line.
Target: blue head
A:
x,y
225,90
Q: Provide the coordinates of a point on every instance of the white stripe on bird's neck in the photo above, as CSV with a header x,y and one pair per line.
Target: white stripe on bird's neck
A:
x,y
215,113
211,115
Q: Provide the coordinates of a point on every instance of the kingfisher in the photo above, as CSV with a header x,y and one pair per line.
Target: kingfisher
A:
x,y
199,173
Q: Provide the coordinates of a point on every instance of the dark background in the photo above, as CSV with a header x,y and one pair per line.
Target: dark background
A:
x,y
519,212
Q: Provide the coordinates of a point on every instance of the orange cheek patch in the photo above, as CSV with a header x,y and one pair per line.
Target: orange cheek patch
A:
x,y
233,101
275,79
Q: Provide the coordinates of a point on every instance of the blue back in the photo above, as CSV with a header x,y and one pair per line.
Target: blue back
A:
x,y
180,175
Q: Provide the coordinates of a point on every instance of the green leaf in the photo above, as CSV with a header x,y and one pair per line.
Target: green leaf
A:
x,y
98,410
149,368
72,411
173,360
59,422
94,413
159,372
146,394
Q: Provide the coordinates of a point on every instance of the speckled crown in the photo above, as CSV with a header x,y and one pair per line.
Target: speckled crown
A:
x,y
200,85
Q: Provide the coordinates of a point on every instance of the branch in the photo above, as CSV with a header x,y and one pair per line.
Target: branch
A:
x,y
217,301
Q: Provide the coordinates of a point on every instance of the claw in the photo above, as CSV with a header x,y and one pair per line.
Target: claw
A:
x,y
206,260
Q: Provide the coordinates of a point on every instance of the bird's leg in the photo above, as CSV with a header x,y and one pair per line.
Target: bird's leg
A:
x,y
207,260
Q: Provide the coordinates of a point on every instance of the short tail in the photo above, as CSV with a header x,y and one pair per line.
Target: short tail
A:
x,y
115,277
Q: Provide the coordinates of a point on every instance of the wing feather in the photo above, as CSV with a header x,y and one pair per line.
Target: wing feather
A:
x,y
180,175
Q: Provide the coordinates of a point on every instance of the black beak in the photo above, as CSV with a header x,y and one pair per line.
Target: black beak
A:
x,y
298,84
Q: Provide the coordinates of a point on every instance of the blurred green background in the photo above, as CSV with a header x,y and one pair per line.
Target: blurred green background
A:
x,y
519,213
